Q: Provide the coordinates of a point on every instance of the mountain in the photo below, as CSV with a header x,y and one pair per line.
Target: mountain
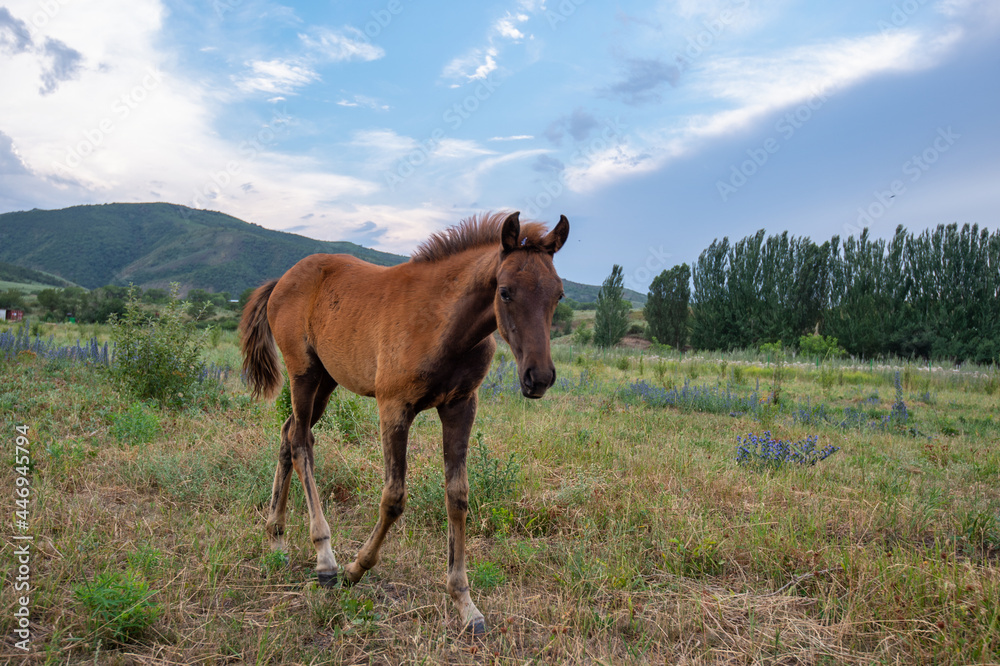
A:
x,y
154,244
29,277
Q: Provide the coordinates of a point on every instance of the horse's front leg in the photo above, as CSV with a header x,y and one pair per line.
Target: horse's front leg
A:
x,y
456,423
394,423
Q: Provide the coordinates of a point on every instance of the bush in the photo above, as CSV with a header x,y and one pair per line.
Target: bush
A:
x,y
562,319
156,359
769,348
138,425
819,346
493,485
118,606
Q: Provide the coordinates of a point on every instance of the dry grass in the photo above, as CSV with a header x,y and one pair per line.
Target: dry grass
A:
x,y
633,537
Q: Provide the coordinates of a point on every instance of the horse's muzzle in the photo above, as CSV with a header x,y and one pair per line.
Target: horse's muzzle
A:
x,y
535,382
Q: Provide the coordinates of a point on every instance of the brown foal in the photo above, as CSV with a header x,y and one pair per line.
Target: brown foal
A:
x,y
413,336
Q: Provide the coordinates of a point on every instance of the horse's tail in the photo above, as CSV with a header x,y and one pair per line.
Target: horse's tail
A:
x,y
260,356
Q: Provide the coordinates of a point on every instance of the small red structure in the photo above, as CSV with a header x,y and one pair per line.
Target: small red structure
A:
x,y
13,315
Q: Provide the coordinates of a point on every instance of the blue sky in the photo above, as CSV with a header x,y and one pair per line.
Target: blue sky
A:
x,y
654,126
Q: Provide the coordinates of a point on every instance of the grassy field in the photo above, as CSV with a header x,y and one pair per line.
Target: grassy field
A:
x,y
22,286
610,521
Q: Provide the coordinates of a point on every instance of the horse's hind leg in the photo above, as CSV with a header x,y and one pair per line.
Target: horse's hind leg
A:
x,y
311,386
456,424
283,473
279,491
394,423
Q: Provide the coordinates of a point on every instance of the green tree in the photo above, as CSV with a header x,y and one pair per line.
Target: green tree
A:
x,y
156,295
50,299
245,298
611,319
199,296
12,299
562,320
666,309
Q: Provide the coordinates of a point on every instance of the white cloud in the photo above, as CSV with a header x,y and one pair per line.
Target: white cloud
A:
x,y
459,149
505,27
749,89
345,45
532,5
478,63
275,76
515,137
474,65
385,140
133,128
363,101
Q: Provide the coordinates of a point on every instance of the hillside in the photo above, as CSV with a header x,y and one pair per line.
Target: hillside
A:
x,y
28,277
154,244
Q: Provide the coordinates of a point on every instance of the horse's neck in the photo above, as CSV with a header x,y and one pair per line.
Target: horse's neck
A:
x,y
471,312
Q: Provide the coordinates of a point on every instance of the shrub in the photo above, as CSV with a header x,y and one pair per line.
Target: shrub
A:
x,y
486,576
156,358
283,404
353,418
118,605
821,347
769,348
636,328
562,319
492,483
137,425
583,335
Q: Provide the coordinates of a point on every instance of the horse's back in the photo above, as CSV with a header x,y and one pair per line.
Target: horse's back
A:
x,y
321,309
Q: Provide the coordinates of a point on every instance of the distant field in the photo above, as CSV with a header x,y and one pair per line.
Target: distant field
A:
x,y
611,523
23,286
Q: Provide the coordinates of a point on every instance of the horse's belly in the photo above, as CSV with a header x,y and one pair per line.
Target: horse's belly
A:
x,y
357,376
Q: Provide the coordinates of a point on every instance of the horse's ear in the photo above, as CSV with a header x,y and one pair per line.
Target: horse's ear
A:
x,y
510,232
556,238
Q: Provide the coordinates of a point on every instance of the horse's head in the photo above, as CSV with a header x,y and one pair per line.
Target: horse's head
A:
x,y
528,290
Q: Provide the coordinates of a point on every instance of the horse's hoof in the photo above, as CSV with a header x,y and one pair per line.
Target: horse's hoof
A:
x,y
327,578
477,627
352,574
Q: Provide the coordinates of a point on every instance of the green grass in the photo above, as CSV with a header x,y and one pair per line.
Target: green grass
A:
x,y
27,287
604,530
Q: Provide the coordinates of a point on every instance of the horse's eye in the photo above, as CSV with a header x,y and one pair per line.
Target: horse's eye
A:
x,y
504,295
562,295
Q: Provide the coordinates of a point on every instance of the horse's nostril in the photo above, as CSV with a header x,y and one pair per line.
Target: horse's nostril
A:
x,y
528,382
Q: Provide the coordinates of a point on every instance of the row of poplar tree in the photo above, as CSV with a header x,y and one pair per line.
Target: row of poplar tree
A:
x,y
935,294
